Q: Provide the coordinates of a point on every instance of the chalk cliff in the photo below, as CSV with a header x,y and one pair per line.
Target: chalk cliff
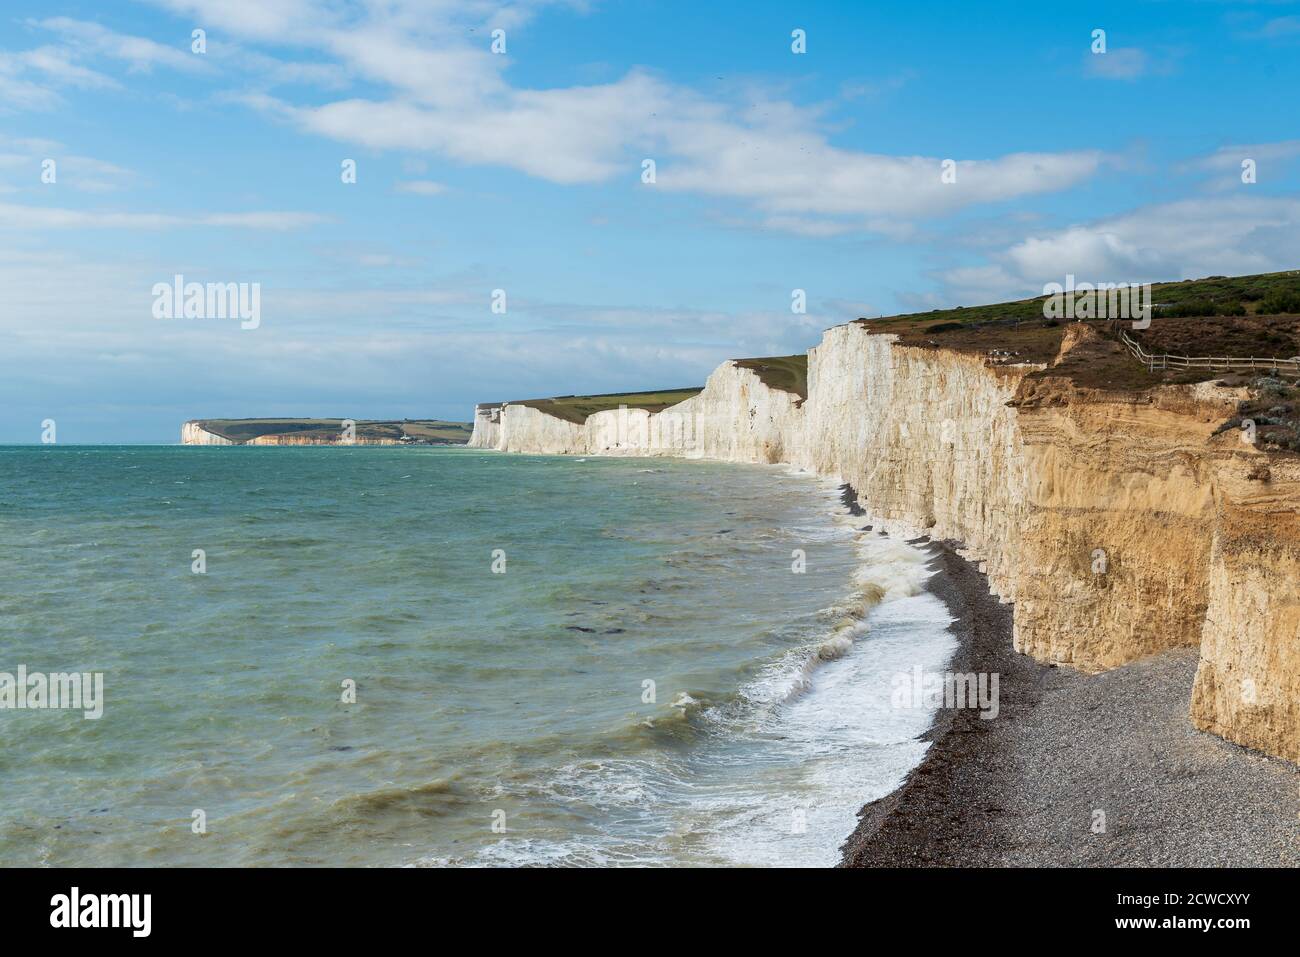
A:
x,y
192,433
1118,522
275,439
324,432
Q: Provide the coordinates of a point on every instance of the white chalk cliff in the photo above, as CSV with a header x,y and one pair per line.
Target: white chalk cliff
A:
x,y
1118,523
193,433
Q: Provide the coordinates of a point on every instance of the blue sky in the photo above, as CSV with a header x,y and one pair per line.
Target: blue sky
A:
x,y
521,171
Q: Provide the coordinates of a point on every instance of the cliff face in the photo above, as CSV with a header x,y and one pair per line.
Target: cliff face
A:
x,y
307,440
487,427
1117,538
1248,683
194,434
927,440
736,418
1116,522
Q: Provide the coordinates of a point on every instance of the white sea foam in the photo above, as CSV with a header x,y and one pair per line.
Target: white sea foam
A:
x,y
778,775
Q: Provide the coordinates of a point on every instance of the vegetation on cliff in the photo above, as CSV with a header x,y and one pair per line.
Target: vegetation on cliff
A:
x,y
1235,317
1263,294
787,373
577,408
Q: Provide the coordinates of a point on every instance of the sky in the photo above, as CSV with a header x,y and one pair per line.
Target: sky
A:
x,y
501,239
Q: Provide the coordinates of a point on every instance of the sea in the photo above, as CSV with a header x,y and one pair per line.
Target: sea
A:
x,y
377,656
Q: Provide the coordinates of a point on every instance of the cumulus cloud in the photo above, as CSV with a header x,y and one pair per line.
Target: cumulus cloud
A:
x,y
1186,239
449,96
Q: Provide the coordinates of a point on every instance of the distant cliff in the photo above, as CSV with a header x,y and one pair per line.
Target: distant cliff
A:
x,y
193,433
1120,521
324,432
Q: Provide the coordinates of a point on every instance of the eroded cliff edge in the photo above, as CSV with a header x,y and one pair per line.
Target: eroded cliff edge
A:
x,y
1119,523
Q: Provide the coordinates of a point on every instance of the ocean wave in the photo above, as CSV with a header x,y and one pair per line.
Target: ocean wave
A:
x,y
433,798
589,851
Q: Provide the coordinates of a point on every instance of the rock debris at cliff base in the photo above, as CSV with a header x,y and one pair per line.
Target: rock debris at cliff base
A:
x,y
1024,789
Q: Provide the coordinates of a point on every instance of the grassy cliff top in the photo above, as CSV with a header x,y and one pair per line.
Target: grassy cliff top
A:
x,y
576,408
421,430
1274,293
787,373
1241,316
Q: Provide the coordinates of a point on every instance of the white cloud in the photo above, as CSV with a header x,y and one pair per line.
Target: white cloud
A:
x,y
421,187
21,165
140,53
276,20
90,175
803,174
1226,235
805,226
1281,27
29,80
16,217
1226,161
57,64
17,93
575,135
449,95
1126,63
593,134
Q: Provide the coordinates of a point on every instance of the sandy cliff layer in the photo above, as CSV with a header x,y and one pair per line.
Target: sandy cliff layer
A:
x,y
1117,523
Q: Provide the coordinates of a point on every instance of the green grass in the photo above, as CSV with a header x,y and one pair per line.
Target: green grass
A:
x,y
1257,295
422,430
577,408
1216,316
787,373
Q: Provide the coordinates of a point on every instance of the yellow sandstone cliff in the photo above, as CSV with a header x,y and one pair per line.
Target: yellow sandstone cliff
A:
x,y
1118,523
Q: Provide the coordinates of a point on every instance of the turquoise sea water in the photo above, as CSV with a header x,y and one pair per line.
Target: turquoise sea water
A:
x,y
648,682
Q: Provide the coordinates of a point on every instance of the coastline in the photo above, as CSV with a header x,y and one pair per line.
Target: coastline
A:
x,y
1025,788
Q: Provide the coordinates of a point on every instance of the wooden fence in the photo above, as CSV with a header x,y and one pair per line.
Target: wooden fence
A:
x,y
1218,363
